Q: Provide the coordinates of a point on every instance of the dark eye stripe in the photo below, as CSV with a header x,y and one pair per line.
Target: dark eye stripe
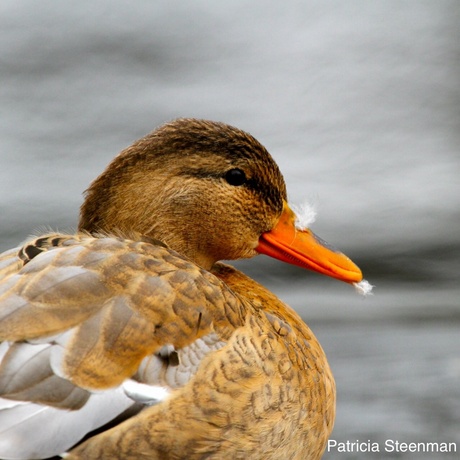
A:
x,y
269,194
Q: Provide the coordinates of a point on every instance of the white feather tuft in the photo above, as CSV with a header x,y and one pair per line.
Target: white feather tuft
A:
x,y
305,215
364,287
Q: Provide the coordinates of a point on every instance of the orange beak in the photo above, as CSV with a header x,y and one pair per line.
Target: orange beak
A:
x,y
304,249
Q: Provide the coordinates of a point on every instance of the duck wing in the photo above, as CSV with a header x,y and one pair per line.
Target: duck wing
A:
x,y
94,325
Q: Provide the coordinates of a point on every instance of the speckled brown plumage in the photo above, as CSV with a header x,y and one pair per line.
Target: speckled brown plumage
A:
x,y
249,400
138,296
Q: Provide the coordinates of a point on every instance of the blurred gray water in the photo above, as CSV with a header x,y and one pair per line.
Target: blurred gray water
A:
x,y
357,101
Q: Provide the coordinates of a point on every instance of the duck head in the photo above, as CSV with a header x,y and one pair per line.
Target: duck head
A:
x,y
209,191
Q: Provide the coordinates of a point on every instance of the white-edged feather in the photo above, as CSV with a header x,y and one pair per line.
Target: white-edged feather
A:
x,y
29,430
4,347
154,369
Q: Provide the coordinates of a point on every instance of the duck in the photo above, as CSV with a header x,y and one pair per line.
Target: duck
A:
x,y
131,339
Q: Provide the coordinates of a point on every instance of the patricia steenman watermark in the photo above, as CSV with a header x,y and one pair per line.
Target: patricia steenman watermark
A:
x,y
390,445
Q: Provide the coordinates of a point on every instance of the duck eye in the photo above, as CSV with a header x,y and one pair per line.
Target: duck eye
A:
x,y
235,176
